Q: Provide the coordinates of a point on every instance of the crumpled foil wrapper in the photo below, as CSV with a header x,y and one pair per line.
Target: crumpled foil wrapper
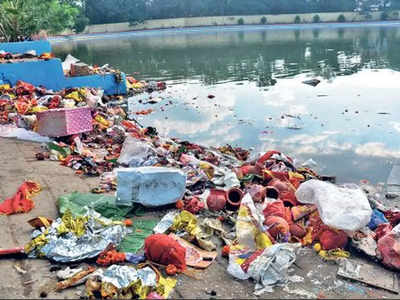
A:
x,y
166,222
70,248
124,276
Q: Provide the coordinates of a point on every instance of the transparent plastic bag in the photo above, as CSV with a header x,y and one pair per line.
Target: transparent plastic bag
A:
x,y
345,207
136,153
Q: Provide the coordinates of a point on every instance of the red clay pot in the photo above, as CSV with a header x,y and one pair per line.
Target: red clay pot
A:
x,y
272,192
216,201
234,198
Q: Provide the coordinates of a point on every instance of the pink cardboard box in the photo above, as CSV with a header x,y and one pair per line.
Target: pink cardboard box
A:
x,y
64,121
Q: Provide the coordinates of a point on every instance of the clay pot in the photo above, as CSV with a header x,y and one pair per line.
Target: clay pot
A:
x,y
216,201
272,192
286,194
234,197
279,185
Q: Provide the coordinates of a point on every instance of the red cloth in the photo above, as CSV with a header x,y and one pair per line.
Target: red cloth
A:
x,y
317,225
275,208
278,227
21,202
389,250
297,230
393,217
333,239
164,250
278,209
382,230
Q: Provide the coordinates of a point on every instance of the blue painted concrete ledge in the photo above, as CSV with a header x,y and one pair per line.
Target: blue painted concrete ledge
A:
x,y
49,73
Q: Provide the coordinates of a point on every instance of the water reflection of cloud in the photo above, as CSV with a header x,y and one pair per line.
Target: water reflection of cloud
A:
x,y
279,96
210,112
304,139
218,140
297,110
377,150
396,125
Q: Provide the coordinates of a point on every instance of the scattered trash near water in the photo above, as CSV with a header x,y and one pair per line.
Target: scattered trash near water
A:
x,y
261,212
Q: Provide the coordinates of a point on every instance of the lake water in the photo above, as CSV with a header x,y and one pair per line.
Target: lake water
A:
x,y
349,124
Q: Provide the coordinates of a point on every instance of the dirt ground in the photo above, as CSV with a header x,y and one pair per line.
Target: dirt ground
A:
x,y
18,164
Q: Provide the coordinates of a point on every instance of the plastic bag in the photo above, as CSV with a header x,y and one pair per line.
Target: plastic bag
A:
x,y
249,226
377,218
268,267
345,208
150,186
78,205
271,267
135,153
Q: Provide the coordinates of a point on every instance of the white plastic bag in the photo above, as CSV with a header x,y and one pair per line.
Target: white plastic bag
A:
x,y
69,60
345,208
136,153
271,267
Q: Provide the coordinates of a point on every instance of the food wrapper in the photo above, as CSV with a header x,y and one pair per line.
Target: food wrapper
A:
x,y
187,222
166,222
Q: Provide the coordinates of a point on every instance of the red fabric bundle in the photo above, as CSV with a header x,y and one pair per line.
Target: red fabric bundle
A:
x,y
333,239
393,217
278,209
389,250
275,208
21,202
317,225
382,230
278,227
164,250
297,230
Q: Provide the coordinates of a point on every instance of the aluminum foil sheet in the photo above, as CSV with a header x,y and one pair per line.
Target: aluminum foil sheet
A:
x,y
123,276
70,248
166,222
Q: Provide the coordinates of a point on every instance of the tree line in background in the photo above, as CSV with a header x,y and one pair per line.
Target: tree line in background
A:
x,y
20,19
112,11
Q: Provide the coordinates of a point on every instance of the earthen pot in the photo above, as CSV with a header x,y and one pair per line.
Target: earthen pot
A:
x,y
216,201
234,198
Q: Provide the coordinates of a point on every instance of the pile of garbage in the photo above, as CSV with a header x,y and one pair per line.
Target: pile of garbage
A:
x,y
261,207
7,57
73,67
